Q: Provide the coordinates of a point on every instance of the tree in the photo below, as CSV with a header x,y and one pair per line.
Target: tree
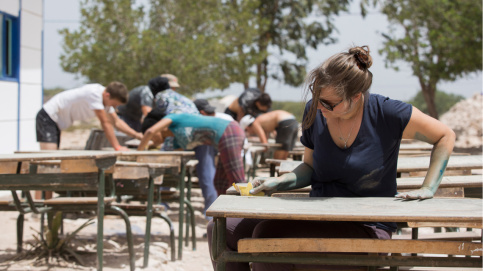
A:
x,y
440,39
105,47
442,100
235,37
207,44
186,39
285,26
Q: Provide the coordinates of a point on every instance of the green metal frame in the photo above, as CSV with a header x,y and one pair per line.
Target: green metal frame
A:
x,y
80,181
221,256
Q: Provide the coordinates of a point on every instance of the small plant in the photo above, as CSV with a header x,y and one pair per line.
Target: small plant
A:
x,y
51,245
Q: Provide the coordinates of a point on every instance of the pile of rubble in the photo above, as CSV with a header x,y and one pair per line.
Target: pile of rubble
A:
x,y
466,118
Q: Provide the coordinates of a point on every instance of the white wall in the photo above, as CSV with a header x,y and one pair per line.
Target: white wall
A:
x,y
10,6
29,96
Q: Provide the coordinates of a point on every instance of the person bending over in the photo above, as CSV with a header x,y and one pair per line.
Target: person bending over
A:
x,y
252,101
193,130
283,122
81,104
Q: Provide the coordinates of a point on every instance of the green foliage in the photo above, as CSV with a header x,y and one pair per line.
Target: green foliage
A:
x,y
107,44
296,108
207,44
443,101
440,39
52,244
50,92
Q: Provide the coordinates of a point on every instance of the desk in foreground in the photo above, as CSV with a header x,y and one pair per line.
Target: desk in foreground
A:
x,y
462,212
413,164
96,164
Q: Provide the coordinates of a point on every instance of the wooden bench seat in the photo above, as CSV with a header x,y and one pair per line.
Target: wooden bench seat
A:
x,y
447,236
357,245
76,201
138,207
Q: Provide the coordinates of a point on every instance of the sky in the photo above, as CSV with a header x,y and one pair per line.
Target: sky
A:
x,y
352,30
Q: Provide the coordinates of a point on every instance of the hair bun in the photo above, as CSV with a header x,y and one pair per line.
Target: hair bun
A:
x,y
362,56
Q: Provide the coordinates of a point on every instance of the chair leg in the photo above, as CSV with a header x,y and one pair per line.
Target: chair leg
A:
x,y
188,196
187,233
414,236
192,221
42,218
20,220
171,234
123,214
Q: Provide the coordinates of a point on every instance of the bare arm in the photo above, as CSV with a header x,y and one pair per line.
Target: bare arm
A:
x,y
145,110
425,128
123,127
156,128
240,113
298,178
258,130
108,129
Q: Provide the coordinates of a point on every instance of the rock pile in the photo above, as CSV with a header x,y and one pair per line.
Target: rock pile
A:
x,y
466,118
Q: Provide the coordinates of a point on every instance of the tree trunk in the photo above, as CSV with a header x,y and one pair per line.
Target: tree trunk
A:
x,y
429,92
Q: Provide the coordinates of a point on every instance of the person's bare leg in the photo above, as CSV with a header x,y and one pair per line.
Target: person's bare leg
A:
x,y
46,146
280,154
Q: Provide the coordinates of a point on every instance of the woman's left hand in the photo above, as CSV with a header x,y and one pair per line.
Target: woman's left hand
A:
x,y
422,193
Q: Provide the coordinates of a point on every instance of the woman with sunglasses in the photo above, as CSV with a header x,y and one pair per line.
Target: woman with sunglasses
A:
x,y
351,141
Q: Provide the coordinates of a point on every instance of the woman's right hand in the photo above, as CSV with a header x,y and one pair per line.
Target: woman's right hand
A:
x,y
265,184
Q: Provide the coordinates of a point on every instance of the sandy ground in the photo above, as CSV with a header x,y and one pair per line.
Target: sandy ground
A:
x,y
115,246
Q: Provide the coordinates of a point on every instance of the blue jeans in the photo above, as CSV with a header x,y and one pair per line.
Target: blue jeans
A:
x,y
205,170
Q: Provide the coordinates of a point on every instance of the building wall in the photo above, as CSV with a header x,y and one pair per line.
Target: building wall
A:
x,y
21,99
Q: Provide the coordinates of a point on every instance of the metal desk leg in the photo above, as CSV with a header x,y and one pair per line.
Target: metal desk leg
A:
x,y
181,210
172,241
20,220
219,242
149,214
153,173
130,245
272,170
188,197
100,219
102,165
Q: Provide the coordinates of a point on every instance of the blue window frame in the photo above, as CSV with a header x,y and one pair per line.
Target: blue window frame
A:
x,y
9,47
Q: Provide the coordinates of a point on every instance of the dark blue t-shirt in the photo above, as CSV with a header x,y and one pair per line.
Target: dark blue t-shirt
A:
x,y
368,167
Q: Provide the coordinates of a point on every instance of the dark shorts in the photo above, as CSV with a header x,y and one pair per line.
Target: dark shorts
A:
x,y
287,133
231,113
134,124
47,130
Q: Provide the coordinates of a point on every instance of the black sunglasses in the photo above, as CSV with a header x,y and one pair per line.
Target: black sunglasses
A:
x,y
323,102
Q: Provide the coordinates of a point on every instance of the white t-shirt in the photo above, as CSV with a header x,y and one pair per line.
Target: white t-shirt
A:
x,y
223,116
76,104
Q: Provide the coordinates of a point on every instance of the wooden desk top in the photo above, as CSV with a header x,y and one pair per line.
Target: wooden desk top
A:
x,y
416,147
269,144
85,153
158,153
408,164
406,183
349,209
465,181
56,155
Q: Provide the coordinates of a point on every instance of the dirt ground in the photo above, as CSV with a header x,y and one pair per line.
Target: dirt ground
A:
x,y
115,246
